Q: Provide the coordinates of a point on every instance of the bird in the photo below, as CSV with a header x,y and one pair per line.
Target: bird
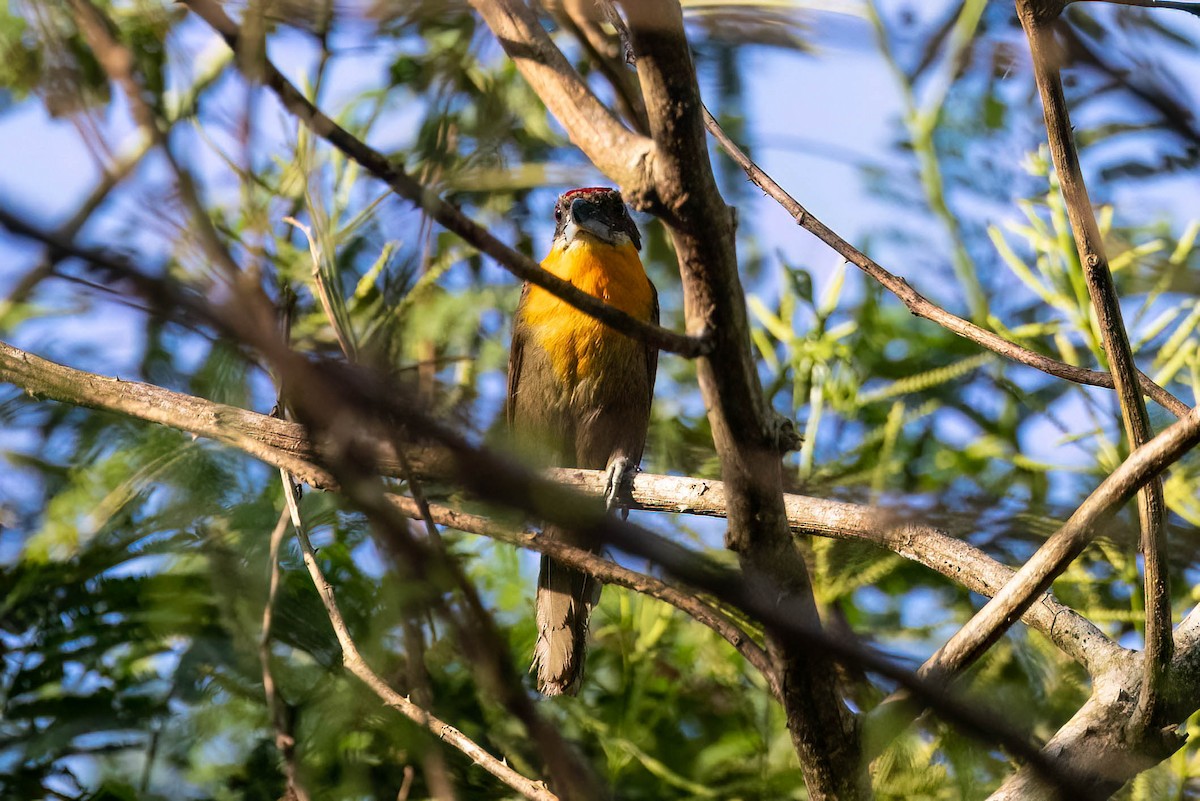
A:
x,y
579,395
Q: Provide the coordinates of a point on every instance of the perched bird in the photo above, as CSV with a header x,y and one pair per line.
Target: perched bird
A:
x,y
579,395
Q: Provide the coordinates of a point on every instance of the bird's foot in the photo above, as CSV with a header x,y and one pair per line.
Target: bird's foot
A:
x,y
782,433
618,485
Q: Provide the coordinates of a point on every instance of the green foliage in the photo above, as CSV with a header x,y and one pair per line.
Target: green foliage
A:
x,y
135,560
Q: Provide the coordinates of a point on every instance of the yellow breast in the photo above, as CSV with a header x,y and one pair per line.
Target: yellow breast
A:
x,y
575,341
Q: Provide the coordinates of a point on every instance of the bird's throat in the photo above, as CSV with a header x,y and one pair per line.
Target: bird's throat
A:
x,y
576,342
612,273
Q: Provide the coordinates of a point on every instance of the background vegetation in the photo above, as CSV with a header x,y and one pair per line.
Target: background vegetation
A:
x,y
134,559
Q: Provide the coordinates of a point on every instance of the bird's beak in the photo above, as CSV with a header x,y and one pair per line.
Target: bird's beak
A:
x,y
588,217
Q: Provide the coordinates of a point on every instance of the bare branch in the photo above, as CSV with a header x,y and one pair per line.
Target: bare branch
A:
x,y
1036,575
1098,745
446,215
917,303
284,741
1090,245
113,174
622,155
747,434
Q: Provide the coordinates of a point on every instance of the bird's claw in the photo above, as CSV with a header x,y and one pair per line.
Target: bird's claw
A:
x,y
782,433
618,485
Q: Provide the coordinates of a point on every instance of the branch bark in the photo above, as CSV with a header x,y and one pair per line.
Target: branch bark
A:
x,y
745,433
1090,244
285,742
625,157
1097,743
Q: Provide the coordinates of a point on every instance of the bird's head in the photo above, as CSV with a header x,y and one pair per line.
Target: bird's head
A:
x,y
595,211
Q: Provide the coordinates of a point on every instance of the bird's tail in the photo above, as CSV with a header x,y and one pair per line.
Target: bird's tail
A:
x,y
565,598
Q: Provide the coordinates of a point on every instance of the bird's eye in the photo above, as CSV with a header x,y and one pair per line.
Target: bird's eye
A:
x,y
557,213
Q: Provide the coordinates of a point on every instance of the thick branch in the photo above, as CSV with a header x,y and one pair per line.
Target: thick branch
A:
x,y
446,215
917,303
625,157
1089,242
287,445
1097,744
745,432
1036,575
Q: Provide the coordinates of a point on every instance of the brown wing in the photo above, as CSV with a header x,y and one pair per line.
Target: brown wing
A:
x,y
651,350
515,355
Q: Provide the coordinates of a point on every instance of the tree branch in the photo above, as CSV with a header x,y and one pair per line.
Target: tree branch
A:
x,y
446,215
917,303
583,18
1036,575
287,445
1090,244
746,433
1098,744
625,157
285,742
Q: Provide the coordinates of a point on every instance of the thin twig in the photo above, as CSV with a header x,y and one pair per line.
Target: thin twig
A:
x,y
917,303
354,662
405,784
1090,245
112,176
284,740
448,216
1191,7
